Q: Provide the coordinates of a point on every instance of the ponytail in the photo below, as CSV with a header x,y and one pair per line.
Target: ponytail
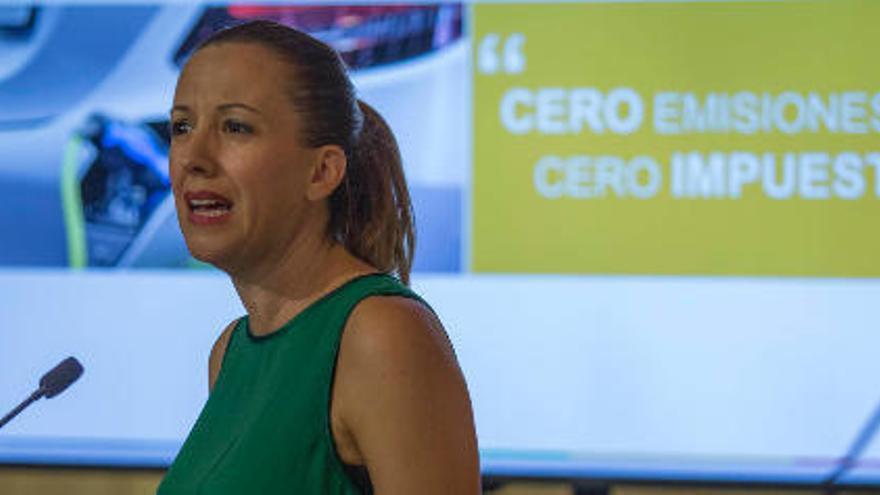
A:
x,y
370,212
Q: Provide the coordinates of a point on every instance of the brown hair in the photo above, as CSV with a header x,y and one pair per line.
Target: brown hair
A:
x,y
370,211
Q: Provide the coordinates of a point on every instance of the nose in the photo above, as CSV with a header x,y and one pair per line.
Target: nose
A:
x,y
194,154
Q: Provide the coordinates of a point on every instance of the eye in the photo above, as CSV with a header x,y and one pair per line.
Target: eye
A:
x,y
179,127
237,127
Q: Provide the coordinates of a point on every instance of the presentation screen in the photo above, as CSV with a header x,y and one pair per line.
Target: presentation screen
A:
x,y
650,228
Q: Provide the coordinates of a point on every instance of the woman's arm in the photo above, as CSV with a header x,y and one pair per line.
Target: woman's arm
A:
x,y
215,360
404,401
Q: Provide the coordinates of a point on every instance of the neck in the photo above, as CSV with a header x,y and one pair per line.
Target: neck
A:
x,y
277,291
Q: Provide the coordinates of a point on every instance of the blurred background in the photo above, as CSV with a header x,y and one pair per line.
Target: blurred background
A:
x,y
648,226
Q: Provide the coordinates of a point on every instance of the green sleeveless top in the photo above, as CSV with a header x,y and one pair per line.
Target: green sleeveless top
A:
x,y
265,427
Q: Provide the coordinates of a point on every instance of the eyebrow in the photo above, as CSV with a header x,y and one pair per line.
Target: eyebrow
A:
x,y
223,107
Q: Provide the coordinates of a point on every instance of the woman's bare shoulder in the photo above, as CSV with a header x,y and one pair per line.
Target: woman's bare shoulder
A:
x,y
398,328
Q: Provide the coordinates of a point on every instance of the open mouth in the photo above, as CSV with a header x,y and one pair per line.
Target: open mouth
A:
x,y
207,205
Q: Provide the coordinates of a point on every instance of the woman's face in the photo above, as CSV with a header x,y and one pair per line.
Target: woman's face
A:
x,y
239,173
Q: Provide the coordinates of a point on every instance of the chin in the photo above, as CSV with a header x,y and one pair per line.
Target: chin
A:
x,y
209,253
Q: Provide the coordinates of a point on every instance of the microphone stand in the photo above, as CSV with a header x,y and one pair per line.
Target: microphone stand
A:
x,y
37,395
852,455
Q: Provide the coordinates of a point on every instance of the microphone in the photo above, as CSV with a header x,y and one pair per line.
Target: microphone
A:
x,y
51,384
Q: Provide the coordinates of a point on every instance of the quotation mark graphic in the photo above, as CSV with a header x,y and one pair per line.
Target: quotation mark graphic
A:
x,y
505,55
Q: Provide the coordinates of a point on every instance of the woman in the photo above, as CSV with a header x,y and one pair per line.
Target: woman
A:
x,y
288,183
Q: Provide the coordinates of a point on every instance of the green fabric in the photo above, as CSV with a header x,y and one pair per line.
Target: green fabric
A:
x,y
266,425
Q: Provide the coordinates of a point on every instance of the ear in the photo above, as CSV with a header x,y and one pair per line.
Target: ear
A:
x,y
328,172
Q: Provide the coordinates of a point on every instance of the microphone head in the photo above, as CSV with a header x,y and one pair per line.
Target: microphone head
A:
x,y
60,377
